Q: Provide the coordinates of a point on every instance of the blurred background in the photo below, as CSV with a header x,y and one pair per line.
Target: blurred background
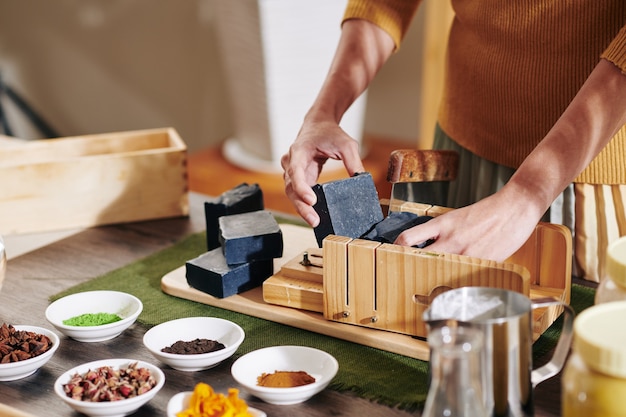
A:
x,y
96,66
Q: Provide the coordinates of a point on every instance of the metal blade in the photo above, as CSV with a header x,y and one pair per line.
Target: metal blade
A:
x,y
433,192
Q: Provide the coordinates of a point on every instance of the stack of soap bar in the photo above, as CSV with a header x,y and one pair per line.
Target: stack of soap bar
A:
x,y
211,274
348,207
241,199
248,244
250,236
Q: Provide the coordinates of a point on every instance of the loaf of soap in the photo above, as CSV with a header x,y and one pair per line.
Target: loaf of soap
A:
x,y
211,274
347,207
250,236
241,199
395,223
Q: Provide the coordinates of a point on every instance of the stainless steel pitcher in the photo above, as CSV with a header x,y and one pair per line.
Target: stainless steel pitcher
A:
x,y
505,318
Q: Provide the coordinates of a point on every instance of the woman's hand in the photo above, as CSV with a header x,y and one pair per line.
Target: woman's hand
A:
x,y
316,143
489,229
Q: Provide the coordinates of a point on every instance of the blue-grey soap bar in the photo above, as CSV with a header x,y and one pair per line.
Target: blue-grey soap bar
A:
x,y
211,274
240,199
348,207
395,223
250,236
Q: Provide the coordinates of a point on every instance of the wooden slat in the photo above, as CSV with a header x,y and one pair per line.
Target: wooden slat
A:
x,y
361,282
336,294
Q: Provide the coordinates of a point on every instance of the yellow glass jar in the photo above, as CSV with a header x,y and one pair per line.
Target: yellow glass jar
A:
x,y
594,378
613,284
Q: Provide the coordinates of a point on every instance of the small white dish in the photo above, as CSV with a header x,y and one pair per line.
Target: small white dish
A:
x,y
111,408
166,334
22,369
319,364
180,402
127,306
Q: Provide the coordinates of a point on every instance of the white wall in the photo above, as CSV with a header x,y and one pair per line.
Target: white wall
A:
x,y
95,66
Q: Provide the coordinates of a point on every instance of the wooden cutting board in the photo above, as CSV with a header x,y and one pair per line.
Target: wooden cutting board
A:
x,y
297,240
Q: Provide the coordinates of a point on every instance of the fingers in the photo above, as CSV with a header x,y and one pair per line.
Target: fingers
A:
x,y
303,207
419,234
299,191
303,164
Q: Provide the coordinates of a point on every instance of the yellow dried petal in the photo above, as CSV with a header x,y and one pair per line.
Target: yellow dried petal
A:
x,y
205,402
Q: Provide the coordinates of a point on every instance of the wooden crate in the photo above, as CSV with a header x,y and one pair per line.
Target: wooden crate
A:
x,y
92,180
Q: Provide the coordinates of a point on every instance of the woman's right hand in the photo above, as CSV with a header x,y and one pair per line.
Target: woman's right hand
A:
x,y
362,50
303,163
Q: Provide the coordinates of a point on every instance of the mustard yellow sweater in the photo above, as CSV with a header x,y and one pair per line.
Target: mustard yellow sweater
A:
x,y
512,68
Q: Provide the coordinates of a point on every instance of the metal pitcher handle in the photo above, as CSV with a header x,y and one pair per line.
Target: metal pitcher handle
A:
x,y
561,351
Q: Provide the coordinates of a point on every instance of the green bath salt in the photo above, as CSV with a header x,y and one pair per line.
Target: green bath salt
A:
x,y
92,319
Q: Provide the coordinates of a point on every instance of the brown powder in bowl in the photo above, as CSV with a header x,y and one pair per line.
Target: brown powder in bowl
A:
x,y
192,347
285,379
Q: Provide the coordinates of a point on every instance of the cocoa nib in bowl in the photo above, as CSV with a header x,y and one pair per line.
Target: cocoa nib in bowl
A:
x,y
24,349
18,345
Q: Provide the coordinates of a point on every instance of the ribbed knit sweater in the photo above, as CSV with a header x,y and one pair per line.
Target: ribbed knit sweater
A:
x,y
513,66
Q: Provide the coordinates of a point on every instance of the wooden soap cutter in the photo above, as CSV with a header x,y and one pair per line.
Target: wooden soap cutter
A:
x,y
388,287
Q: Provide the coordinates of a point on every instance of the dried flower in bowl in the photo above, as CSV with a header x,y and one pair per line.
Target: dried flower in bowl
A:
x,y
130,384
108,384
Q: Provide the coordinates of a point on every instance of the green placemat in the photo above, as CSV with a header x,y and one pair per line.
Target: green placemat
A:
x,y
377,375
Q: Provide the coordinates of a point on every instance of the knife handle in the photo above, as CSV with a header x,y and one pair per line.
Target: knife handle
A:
x,y
413,165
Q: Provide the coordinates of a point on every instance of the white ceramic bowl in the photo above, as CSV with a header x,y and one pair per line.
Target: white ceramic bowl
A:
x,y
111,408
24,368
191,328
127,306
320,365
180,402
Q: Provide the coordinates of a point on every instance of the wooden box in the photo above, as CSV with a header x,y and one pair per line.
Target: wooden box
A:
x,y
92,180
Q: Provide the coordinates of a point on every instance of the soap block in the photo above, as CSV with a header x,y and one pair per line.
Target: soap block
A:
x,y
395,223
250,236
211,274
347,207
241,199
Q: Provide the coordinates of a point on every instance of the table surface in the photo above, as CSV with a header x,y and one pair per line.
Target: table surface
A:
x,y
33,277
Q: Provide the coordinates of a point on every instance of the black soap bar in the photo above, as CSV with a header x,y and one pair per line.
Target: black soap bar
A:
x,y
241,199
211,274
395,223
250,236
348,207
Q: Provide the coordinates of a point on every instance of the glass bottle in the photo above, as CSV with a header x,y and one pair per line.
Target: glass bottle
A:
x,y
613,284
594,379
455,387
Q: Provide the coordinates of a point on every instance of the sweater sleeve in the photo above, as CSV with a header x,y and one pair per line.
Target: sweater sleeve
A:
x,y
393,16
616,51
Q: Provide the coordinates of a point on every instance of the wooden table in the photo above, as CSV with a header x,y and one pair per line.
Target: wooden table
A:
x,y
34,276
